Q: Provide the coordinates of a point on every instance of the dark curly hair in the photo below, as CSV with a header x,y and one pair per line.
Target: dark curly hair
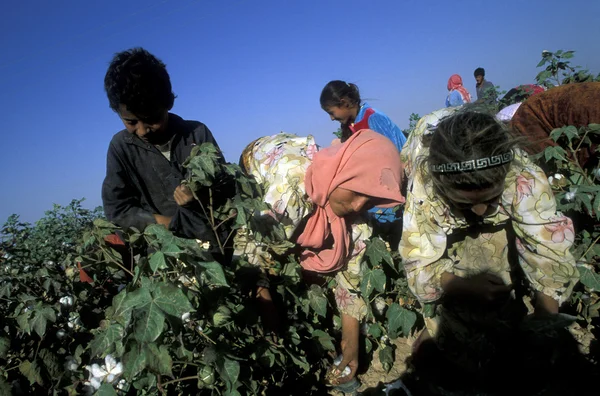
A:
x,y
140,81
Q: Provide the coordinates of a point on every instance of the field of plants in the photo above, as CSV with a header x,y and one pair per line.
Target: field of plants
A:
x,y
84,311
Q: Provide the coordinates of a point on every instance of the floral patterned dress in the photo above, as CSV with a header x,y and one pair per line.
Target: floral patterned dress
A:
x,y
524,240
279,163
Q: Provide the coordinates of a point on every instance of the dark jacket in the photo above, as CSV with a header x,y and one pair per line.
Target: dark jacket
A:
x,y
140,181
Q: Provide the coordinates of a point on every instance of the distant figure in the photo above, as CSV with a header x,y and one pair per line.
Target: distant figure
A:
x,y
520,93
144,161
457,94
485,89
341,100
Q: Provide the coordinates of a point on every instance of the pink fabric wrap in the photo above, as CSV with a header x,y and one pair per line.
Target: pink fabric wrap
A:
x,y
367,163
455,83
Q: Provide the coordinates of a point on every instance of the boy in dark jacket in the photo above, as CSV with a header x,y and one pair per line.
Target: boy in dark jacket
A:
x,y
144,161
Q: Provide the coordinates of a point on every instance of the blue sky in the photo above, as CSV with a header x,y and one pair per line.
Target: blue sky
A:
x,y
248,69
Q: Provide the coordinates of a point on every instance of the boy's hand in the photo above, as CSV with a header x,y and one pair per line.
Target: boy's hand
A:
x,y
162,220
183,195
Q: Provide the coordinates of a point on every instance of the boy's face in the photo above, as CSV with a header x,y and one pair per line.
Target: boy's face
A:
x,y
150,128
479,79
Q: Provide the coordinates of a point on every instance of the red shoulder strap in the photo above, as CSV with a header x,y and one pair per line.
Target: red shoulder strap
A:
x,y
364,123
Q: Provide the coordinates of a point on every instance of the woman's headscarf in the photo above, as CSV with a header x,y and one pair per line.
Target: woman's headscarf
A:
x,y
367,163
455,84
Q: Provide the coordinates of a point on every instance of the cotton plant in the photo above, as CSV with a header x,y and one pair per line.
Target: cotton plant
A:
x,y
107,373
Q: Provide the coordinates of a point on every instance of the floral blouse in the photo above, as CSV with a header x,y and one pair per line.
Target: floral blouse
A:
x,y
543,236
279,163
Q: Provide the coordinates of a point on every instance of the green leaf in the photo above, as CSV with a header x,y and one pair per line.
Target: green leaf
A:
x,y
106,390
386,357
368,345
134,361
299,361
104,341
23,321
317,300
589,278
214,273
171,300
324,339
158,261
41,315
375,330
229,370
377,253
101,223
149,323
4,347
400,319
5,388
51,362
372,280
134,299
159,360
32,372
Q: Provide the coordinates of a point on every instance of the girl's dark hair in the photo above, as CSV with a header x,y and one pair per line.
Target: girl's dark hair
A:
x,y
140,81
462,137
336,90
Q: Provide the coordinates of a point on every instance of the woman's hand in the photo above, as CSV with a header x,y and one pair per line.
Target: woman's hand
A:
x,y
349,344
545,305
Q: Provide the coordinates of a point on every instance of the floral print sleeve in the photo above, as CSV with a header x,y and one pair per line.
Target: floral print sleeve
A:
x,y
544,236
423,244
279,163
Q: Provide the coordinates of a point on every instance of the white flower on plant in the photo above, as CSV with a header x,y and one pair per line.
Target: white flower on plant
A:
x,y
66,301
121,385
380,305
60,334
109,372
185,317
74,321
570,196
384,339
71,364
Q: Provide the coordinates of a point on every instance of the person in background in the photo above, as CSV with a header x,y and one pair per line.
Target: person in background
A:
x,y
486,92
144,161
457,93
341,100
319,197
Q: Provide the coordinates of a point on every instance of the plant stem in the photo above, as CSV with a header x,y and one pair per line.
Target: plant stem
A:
x,y
194,377
591,246
117,262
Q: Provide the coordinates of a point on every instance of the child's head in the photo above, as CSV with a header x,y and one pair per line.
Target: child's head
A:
x,y
341,100
139,90
470,155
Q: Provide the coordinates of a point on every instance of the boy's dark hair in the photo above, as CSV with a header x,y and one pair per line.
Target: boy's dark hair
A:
x,y
480,71
463,137
140,81
336,90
